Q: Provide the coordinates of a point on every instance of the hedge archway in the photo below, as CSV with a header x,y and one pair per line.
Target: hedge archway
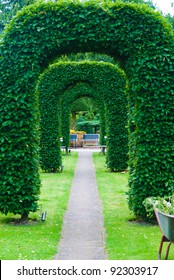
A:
x,y
109,85
70,96
135,35
52,127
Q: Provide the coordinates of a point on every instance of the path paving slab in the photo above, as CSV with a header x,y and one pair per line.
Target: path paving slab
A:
x,y
83,233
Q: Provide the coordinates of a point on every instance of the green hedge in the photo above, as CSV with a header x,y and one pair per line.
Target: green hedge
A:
x,y
108,84
70,96
139,38
50,145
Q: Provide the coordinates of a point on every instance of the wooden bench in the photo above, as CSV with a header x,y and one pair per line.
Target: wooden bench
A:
x,y
73,140
90,139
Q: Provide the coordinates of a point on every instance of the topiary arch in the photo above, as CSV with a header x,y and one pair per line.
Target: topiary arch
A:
x,y
109,84
69,97
135,35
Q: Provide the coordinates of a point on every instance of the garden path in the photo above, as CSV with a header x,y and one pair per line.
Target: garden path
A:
x,y
83,233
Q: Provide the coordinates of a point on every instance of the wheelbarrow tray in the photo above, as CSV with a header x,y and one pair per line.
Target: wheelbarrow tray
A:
x,y
166,224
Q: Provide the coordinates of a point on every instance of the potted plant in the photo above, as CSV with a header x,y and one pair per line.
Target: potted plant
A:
x,y
164,212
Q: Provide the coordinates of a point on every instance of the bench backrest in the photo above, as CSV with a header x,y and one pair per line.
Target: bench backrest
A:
x,y
91,137
73,137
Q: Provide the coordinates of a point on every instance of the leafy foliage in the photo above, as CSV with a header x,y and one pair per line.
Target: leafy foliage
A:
x,y
139,38
65,81
162,204
9,8
72,94
170,19
89,126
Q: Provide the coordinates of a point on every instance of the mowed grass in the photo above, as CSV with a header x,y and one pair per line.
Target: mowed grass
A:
x,y
126,239
38,240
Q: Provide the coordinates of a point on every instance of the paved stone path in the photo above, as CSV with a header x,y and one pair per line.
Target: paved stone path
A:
x,y
83,233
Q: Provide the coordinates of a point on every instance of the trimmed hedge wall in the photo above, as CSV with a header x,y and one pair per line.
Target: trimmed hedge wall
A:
x,y
108,83
50,145
139,38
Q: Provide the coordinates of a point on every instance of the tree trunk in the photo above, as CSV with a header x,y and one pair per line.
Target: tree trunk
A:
x,y
24,217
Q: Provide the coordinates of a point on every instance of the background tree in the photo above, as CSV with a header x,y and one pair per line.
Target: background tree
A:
x,y
88,120
9,8
170,19
83,110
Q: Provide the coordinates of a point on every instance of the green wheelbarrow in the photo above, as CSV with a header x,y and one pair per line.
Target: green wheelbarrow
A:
x,y
166,224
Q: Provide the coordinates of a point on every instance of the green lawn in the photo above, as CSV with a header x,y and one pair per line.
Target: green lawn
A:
x,y
125,240
39,240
